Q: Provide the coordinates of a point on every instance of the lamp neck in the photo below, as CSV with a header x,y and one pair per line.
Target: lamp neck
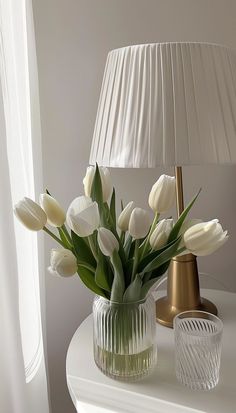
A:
x,y
179,190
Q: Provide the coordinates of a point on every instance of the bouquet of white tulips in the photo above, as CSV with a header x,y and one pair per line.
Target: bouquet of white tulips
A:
x,y
119,259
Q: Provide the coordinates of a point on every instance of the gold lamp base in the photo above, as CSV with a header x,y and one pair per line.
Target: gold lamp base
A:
x,y
183,291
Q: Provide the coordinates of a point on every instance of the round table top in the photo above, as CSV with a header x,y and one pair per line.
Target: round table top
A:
x,y
160,392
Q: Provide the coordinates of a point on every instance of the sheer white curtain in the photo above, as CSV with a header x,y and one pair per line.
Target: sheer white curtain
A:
x,y
23,381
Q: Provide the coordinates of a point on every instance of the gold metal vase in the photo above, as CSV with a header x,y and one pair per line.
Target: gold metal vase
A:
x,y
183,292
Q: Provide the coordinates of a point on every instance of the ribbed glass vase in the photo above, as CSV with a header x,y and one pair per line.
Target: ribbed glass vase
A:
x,y
124,338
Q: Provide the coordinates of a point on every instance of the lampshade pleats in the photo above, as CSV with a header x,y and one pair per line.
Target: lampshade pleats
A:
x,y
167,104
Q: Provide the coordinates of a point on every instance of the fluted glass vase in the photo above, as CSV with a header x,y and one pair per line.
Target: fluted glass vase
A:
x,y
124,338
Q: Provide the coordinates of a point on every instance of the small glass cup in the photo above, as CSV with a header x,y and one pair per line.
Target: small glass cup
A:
x,y
198,340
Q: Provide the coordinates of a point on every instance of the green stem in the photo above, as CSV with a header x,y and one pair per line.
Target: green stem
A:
x,y
53,236
92,247
146,242
122,237
118,285
136,259
121,247
67,235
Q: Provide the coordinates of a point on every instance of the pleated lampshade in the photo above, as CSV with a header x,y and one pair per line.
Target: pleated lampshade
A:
x,y
167,104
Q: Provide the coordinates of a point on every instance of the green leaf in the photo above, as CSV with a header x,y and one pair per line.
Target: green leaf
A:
x,y
147,276
88,279
106,220
175,230
133,291
146,287
160,270
118,285
88,266
113,208
82,249
96,190
150,257
165,256
102,273
156,273
127,246
156,276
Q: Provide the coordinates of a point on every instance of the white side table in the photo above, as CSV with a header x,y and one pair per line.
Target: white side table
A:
x,y
92,392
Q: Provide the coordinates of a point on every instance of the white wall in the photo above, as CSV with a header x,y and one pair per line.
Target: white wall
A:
x,y
73,38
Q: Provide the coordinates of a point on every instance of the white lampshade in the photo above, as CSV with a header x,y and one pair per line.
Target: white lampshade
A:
x,y
167,104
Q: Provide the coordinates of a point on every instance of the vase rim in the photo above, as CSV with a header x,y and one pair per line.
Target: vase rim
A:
x,y
142,300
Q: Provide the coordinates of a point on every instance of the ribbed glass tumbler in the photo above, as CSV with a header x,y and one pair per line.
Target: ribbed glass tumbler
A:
x,y
198,337
124,338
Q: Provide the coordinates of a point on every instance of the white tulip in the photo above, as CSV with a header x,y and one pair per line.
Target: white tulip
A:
x,y
162,194
205,238
188,224
139,223
63,262
161,233
83,216
107,241
105,179
55,214
124,217
30,214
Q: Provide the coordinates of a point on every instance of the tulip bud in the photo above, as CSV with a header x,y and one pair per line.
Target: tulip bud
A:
x,y
139,223
161,233
30,214
107,241
205,238
124,217
162,194
83,216
105,180
63,262
55,214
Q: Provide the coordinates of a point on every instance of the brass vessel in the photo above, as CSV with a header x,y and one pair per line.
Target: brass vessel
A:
x,y
183,292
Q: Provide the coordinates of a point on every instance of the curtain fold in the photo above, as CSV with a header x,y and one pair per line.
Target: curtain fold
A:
x,y
23,378
12,374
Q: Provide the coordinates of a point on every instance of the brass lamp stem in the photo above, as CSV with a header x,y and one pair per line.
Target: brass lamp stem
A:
x,y
183,291
179,190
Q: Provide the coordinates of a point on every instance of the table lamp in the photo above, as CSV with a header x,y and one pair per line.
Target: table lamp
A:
x,y
169,104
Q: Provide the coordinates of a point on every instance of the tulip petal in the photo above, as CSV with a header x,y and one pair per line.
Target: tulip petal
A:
x,y
162,194
90,215
30,214
105,180
124,217
63,262
80,226
79,204
55,214
139,223
161,233
83,216
107,241
204,238
212,248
